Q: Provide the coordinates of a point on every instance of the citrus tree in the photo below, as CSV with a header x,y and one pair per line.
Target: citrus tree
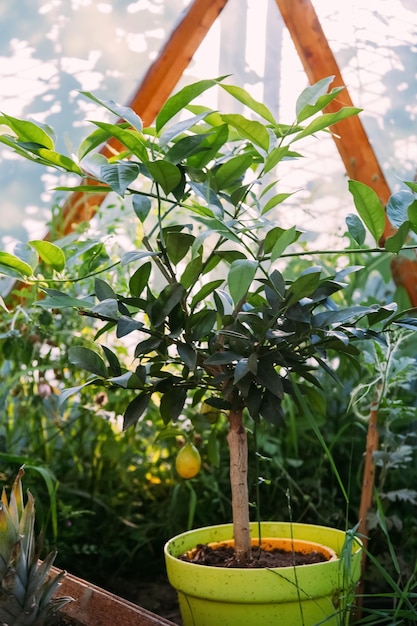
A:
x,y
209,312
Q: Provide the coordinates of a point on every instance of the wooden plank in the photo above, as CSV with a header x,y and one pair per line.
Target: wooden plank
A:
x,y
155,88
93,606
319,62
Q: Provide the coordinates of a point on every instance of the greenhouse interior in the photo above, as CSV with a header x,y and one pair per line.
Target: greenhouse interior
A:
x,y
208,297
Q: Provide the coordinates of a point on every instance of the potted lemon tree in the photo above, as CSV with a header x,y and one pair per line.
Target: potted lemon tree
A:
x,y
210,316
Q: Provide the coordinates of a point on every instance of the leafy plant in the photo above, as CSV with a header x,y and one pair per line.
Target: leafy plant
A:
x,y
27,587
215,317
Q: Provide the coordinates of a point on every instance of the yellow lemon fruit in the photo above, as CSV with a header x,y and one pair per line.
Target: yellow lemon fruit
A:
x,y
188,461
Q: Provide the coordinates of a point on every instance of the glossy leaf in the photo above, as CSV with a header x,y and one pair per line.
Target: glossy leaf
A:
x,y
179,101
55,159
123,112
249,129
356,228
205,291
169,297
303,286
192,272
395,242
129,138
165,174
325,121
14,267
209,148
29,131
49,253
135,410
119,175
88,360
397,207
286,238
369,208
315,98
188,355
127,325
172,404
230,171
240,278
139,279
274,201
58,300
141,206
245,98
178,245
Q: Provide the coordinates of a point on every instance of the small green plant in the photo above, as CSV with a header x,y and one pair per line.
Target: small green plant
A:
x,y
26,585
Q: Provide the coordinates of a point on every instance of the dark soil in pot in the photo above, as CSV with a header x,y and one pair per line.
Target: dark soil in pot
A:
x,y
224,556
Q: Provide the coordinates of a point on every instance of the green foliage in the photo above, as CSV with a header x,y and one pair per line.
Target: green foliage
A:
x,y
204,304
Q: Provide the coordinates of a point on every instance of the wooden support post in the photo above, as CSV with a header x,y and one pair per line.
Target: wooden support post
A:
x,y
155,88
319,62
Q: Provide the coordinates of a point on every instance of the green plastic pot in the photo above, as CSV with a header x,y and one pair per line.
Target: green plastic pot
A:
x,y
305,595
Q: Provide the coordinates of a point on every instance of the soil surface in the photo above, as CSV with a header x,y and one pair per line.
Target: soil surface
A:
x,y
224,556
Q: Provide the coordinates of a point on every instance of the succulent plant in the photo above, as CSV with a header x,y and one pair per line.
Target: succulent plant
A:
x,y
27,586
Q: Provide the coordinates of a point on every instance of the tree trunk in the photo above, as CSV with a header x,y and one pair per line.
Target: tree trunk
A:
x,y
238,448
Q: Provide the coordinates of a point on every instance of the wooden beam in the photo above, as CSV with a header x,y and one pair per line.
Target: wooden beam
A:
x,y
155,88
319,62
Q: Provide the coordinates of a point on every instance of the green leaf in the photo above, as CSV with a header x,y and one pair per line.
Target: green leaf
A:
x,y
286,238
188,355
14,267
135,410
58,300
28,131
356,228
245,366
369,207
169,297
213,449
232,170
209,148
315,98
185,147
119,175
141,206
177,245
192,272
396,241
88,360
130,138
325,121
127,325
55,159
179,101
249,129
397,207
245,98
49,253
172,404
274,201
200,324
165,174
412,215
125,113
240,277
139,279
274,157
178,129
205,291
92,141
303,286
